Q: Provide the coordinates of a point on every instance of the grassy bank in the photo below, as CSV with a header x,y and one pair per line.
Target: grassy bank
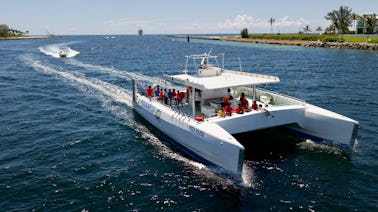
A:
x,y
313,37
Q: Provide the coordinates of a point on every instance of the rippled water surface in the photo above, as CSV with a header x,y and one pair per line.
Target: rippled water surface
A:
x,y
70,140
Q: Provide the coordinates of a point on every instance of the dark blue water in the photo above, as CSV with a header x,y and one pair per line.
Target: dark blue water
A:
x,y
69,139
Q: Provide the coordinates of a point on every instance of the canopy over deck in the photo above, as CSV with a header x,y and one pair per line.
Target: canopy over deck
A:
x,y
227,79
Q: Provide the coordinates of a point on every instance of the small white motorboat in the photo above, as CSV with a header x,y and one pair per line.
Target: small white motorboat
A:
x,y
62,54
200,127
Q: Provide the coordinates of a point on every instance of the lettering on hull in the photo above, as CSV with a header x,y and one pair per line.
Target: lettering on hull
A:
x,y
196,131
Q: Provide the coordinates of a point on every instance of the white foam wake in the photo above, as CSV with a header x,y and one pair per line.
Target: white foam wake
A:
x,y
117,93
122,74
112,71
54,50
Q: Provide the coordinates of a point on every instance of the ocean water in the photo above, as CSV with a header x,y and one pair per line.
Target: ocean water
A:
x,y
70,141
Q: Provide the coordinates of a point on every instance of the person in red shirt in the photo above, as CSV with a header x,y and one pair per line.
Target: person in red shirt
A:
x,y
228,109
150,91
243,100
239,109
225,101
254,105
180,97
161,94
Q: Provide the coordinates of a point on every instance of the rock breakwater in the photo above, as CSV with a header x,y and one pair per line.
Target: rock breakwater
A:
x,y
315,44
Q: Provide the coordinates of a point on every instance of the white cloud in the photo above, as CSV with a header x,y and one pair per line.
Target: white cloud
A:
x,y
284,24
241,21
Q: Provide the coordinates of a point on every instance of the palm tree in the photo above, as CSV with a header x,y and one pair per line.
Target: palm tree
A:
x,y
306,29
271,21
331,29
340,19
319,29
354,17
370,22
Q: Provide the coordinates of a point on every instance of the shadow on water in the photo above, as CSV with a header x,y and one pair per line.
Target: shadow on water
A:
x,y
270,144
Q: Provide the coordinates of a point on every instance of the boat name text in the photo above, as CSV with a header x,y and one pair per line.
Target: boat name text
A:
x,y
196,131
148,106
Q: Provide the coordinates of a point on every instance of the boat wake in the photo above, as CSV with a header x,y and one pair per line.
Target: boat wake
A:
x,y
316,147
116,93
118,73
55,50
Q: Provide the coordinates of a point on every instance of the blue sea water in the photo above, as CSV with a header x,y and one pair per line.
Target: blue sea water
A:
x,y
70,141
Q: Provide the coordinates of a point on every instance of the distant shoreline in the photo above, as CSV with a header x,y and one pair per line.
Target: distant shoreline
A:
x,y
318,44
24,37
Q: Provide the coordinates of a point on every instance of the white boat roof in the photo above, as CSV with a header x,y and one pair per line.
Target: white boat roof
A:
x,y
227,79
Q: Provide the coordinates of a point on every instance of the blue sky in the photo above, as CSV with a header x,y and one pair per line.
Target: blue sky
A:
x,y
83,17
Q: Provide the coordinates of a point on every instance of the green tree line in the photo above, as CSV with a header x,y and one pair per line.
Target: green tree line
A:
x,y
341,19
12,33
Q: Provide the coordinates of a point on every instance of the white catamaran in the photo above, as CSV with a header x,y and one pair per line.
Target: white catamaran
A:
x,y
202,126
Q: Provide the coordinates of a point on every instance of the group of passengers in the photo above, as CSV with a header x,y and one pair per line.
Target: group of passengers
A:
x,y
243,106
168,97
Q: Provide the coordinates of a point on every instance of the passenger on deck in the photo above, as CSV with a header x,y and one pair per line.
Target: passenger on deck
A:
x,y
230,97
225,101
228,109
157,90
239,109
180,97
165,96
243,100
161,94
254,105
170,97
150,92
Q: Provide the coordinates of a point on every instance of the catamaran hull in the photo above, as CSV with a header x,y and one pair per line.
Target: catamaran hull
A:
x,y
190,135
304,120
324,126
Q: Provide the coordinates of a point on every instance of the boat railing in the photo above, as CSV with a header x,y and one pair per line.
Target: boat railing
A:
x,y
276,79
276,97
175,108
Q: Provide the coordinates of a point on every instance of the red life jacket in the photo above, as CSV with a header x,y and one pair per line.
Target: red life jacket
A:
x,y
200,117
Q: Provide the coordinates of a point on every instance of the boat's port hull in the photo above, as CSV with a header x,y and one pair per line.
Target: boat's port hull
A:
x,y
203,140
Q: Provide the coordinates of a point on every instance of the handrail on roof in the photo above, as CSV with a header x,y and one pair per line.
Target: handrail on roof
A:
x,y
204,56
263,76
